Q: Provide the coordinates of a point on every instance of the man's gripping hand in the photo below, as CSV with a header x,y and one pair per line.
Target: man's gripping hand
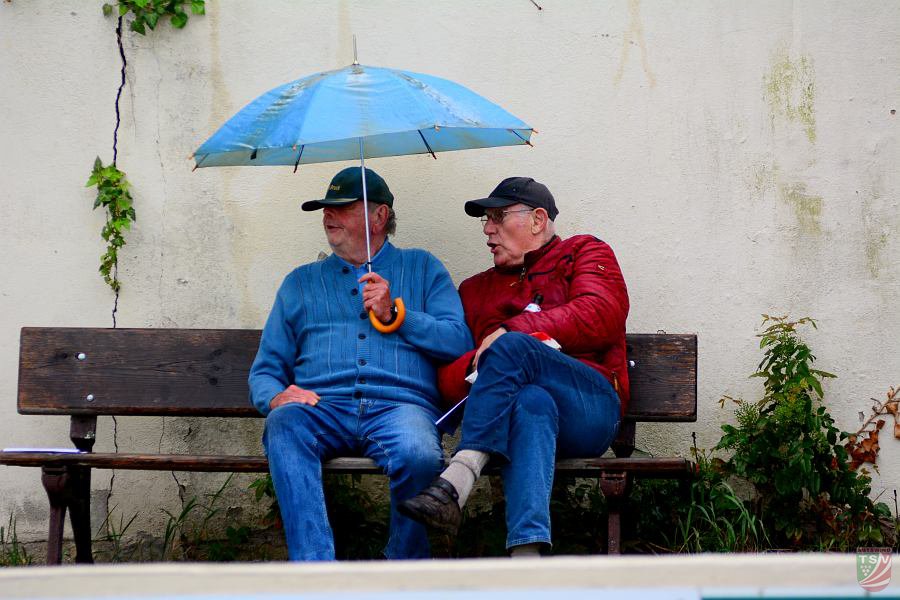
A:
x,y
377,296
294,395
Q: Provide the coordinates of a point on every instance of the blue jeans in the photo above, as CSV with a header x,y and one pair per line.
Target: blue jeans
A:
x,y
400,437
529,404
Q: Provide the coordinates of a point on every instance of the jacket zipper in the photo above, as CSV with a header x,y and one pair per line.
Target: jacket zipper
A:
x,y
567,258
520,279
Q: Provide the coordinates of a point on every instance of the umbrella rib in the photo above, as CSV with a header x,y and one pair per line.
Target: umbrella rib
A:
x,y
516,133
421,135
299,156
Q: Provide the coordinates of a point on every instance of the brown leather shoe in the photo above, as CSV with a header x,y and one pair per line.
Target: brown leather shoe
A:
x,y
436,506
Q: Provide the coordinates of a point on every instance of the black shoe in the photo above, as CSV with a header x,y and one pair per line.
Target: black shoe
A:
x,y
436,506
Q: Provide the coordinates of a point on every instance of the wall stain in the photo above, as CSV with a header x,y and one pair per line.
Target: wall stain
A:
x,y
790,90
875,231
634,35
761,179
874,245
806,207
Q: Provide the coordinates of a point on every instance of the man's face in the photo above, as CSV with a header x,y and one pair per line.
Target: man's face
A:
x,y
512,237
345,227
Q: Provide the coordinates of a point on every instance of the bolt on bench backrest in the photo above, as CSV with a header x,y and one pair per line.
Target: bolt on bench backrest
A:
x,y
89,372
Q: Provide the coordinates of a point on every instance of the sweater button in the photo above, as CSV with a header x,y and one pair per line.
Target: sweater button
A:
x,y
357,395
362,336
354,292
362,362
362,381
363,315
345,270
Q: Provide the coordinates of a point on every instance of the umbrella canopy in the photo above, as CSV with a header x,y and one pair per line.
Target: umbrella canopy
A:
x,y
323,117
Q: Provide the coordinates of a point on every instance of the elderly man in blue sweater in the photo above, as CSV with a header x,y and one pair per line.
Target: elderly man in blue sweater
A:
x,y
331,385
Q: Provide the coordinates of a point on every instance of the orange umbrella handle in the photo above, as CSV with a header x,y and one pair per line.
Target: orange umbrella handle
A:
x,y
401,314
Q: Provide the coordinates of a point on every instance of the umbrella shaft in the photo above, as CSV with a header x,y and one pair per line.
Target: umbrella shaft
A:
x,y
362,167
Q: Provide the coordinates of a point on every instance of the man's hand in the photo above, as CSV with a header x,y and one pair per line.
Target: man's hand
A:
x,y
377,296
485,343
294,395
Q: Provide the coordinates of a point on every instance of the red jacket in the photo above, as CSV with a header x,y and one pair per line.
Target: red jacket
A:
x,y
584,307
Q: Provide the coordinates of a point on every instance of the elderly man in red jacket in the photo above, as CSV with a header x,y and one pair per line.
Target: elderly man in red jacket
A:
x,y
531,402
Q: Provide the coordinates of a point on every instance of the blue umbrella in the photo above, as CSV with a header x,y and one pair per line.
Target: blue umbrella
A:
x,y
360,112
323,118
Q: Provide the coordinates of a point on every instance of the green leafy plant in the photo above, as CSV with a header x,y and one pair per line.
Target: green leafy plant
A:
x,y
716,518
192,538
12,552
112,194
111,537
264,488
147,13
788,447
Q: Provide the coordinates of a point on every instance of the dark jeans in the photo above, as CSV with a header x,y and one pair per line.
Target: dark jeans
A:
x,y
529,404
400,437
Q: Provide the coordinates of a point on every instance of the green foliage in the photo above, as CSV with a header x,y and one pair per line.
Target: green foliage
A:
x,y
112,194
716,518
189,534
787,446
12,552
112,537
263,488
147,13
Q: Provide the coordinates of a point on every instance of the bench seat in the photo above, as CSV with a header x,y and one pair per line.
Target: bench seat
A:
x,y
576,467
89,372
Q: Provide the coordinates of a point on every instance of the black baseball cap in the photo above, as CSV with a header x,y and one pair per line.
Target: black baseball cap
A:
x,y
515,190
346,187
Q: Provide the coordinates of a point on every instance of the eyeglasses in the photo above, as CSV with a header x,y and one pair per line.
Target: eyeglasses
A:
x,y
497,217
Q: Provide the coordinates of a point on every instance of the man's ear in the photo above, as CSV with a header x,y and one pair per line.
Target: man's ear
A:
x,y
381,217
539,221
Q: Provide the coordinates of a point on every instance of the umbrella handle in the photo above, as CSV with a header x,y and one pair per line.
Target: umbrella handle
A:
x,y
401,314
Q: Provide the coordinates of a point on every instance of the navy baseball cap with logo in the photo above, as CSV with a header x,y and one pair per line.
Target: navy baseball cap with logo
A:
x,y
515,190
346,187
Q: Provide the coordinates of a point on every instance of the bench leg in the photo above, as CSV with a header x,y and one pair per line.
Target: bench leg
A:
x,y
614,486
55,480
79,501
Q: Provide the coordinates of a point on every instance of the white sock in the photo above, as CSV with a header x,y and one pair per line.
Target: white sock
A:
x,y
464,469
532,550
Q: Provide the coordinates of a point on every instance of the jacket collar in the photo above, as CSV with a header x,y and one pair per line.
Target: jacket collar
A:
x,y
531,257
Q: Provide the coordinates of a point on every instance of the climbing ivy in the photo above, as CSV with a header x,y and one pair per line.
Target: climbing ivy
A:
x,y
147,13
113,194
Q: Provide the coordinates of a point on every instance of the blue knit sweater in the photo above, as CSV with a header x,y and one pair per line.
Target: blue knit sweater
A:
x,y
319,338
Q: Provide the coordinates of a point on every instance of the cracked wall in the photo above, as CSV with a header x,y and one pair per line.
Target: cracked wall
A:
x,y
740,158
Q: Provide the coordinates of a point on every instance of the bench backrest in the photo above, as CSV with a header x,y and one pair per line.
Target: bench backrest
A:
x,y
90,371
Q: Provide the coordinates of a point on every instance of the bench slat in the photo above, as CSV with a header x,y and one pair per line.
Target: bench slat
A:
x,y
136,371
204,372
586,467
664,378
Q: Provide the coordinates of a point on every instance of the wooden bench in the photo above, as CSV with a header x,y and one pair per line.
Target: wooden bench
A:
x,y
85,373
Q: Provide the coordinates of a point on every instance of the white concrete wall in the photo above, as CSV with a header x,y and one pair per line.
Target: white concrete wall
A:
x,y
740,157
